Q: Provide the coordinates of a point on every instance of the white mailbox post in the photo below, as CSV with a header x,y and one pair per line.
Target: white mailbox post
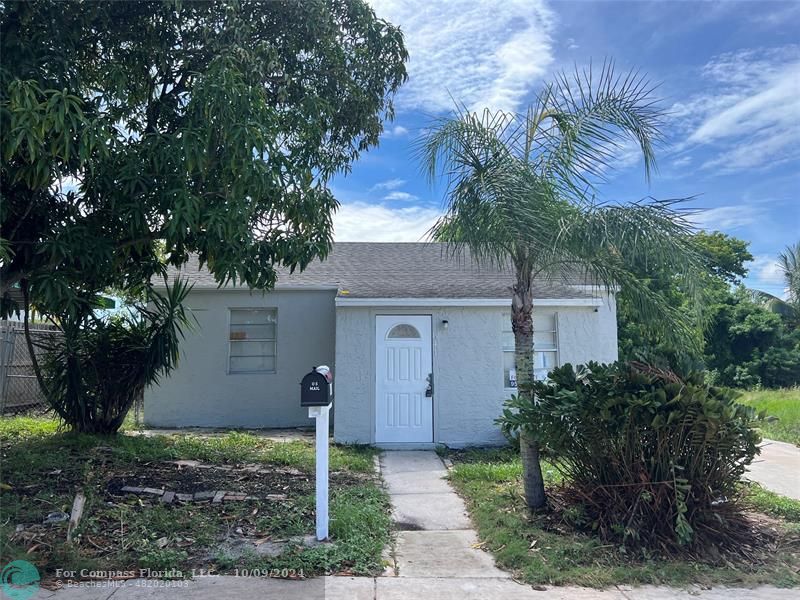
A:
x,y
316,393
320,413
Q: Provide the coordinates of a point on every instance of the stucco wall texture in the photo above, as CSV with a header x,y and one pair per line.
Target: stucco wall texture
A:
x,y
467,366
201,393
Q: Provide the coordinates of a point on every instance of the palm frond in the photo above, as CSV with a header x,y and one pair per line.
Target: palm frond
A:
x,y
482,176
590,118
606,245
789,262
517,187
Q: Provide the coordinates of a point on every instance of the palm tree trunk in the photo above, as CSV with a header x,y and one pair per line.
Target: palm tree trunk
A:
x,y
522,325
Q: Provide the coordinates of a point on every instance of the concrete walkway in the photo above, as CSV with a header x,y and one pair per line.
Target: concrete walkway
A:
x,y
435,537
778,468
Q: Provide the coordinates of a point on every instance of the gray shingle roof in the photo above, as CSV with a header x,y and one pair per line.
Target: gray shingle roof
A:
x,y
396,270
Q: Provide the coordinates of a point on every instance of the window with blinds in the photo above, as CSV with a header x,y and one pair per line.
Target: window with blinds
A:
x,y
545,346
253,340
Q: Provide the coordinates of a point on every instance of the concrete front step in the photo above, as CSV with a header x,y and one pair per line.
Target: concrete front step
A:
x,y
411,461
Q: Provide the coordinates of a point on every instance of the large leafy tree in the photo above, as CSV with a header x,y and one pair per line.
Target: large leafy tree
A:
x,y
747,344
519,195
744,338
136,133
724,258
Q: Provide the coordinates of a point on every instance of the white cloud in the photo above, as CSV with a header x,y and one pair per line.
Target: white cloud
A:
x,y
725,217
764,273
487,53
683,161
389,184
404,196
751,113
363,222
395,132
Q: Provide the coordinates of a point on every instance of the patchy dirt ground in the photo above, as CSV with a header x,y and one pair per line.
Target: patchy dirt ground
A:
x,y
267,525
180,478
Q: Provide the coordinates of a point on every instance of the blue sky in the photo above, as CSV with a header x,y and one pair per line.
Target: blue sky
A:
x,y
730,78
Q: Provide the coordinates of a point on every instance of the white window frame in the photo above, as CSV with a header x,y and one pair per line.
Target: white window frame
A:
x,y
274,311
509,349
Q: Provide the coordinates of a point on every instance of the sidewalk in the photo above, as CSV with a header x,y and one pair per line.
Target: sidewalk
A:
x,y
396,588
777,468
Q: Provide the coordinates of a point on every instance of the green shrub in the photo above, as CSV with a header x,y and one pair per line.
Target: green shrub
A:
x,y
100,367
652,460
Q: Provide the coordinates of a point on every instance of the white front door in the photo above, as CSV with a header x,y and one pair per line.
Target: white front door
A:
x,y
403,363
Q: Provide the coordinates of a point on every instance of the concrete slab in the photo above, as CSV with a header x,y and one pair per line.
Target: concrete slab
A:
x,y
778,468
411,482
650,592
459,589
443,554
349,588
411,461
443,511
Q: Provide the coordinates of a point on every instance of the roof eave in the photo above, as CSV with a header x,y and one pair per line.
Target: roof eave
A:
x,y
477,302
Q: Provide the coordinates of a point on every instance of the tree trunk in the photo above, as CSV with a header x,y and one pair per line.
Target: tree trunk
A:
x,y
532,480
37,371
522,325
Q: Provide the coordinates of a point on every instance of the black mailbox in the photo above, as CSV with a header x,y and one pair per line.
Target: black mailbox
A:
x,y
315,390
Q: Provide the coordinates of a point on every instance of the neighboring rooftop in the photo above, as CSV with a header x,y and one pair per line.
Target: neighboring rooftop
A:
x,y
396,270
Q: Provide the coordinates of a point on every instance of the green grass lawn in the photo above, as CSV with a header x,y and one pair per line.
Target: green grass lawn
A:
x,y
539,554
43,467
784,406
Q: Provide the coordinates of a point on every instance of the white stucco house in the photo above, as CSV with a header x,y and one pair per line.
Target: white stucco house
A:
x,y
388,318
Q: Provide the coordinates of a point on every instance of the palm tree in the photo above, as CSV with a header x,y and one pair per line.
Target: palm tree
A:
x,y
520,195
789,263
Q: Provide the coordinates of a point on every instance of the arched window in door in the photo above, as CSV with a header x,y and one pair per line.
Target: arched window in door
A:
x,y
403,331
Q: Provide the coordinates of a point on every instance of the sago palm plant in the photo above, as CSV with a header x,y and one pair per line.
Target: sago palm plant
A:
x,y
520,195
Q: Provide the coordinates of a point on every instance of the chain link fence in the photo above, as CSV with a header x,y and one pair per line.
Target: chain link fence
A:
x,y
19,389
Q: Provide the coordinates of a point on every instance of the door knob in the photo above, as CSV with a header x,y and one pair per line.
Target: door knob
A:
x,y
429,389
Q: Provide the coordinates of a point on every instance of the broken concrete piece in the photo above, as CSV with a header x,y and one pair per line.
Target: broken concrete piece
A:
x,y
132,490
154,491
168,497
218,497
204,495
184,497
